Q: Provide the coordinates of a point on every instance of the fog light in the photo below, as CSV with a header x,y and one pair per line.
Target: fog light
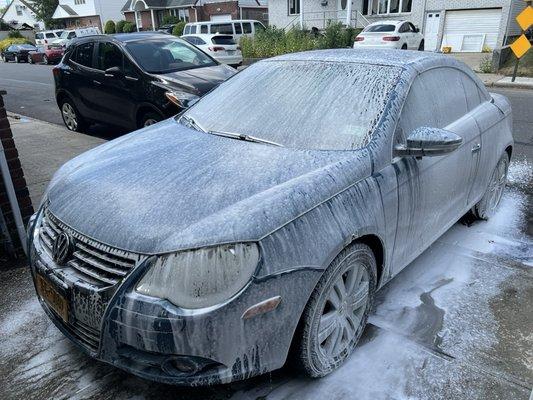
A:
x,y
184,365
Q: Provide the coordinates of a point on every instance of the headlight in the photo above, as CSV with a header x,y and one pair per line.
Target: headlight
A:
x,y
182,99
201,278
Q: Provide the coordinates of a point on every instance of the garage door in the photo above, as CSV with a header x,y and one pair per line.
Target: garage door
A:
x,y
470,30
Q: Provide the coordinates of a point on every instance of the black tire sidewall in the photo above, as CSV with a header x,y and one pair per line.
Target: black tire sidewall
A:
x,y
310,358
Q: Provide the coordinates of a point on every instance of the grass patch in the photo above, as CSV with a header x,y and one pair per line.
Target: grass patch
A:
x,y
525,68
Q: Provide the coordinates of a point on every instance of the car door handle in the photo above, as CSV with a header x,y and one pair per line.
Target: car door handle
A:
x,y
476,148
97,82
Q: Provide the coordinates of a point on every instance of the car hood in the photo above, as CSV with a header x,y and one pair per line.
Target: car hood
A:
x,y
198,80
167,188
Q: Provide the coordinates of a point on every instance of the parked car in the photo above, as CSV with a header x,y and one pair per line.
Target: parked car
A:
x,y
168,28
390,34
47,54
46,37
17,52
221,47
132,80
236,28
68,35
202,249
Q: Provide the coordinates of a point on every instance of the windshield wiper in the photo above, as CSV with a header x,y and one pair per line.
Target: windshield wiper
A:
x,y
192,123
247,138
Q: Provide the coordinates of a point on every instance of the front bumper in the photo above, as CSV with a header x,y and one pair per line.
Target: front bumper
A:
x,y
156,340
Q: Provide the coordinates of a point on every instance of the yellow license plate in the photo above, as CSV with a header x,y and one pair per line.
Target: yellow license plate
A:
x,y
52,297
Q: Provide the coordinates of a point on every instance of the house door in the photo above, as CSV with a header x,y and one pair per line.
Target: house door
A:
x,y
342,6
431,35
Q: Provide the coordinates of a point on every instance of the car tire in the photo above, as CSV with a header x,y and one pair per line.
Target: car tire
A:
x,y
488,204
148,119
45,60
330,327
17,60
421,46
71,117
404,47
30,60
4,59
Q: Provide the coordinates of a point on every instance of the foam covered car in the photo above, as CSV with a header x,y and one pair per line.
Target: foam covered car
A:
x,y
258,224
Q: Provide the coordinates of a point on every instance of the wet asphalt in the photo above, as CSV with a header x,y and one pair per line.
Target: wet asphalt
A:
x,y
455,324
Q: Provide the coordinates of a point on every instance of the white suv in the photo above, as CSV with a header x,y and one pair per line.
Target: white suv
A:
x,y
391,35
46,37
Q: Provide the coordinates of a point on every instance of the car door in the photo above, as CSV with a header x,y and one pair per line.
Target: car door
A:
x,y
433,191
80,78
414,37
118,91
10,53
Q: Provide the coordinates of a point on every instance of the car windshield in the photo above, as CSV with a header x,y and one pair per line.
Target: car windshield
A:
x,y
304,105
380,28
165,55
64,35
26,47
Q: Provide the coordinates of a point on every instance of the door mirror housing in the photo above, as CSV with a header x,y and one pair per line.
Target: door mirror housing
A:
x,y
429,142
113,72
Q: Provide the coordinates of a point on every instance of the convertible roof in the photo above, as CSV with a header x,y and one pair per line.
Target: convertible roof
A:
x,y
395,58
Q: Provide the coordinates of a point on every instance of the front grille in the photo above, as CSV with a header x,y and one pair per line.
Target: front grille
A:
x,y
98,264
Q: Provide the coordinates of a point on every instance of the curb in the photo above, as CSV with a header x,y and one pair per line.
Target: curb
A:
x,y
510,85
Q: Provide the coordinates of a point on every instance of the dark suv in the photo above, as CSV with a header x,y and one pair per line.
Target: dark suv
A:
x,y
132,80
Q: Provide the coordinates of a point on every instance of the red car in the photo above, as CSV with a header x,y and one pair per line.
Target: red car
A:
x,y
48,54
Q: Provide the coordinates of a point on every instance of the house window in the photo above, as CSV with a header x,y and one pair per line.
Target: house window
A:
x,y
383,7
184,15
19,9
293,7
79,1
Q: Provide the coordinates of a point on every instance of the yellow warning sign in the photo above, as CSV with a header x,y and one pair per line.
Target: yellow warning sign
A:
x,y
521,46
525,18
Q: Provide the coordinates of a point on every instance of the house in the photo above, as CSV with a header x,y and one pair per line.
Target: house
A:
x,y
88,13
21,13
149,14
463,25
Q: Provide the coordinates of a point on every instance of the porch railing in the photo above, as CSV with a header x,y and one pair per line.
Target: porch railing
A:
x,y
320,19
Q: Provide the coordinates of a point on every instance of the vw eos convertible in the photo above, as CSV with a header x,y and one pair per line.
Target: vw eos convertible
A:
x,y
257,225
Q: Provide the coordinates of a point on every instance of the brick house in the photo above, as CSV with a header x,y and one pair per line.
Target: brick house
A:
x,y
149,14
464,25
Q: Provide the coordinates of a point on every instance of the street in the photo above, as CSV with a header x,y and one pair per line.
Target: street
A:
x,y
455,324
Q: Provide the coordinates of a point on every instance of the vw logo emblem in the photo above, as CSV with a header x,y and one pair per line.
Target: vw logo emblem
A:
x,y
61,249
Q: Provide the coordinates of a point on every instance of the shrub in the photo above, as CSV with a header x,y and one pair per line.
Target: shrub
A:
x,y
4,44
129,27
178,28
15,35
486,49
109,28
119,26
485,65
170,20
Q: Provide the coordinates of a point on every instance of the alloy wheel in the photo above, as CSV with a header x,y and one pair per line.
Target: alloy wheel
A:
x,y
30,61
150,121
343,311
69,116
497,185
45,60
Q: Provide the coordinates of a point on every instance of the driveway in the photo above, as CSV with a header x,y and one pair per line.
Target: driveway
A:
x,y
455,324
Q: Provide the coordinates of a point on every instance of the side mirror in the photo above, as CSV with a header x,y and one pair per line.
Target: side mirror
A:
x,y
429,142
113,72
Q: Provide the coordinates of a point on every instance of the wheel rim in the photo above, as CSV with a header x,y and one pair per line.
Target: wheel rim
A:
x,y
150,121
69,116
497,185
29,59
45,60
343,311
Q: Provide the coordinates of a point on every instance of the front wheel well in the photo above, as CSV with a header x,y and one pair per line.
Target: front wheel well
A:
x,y
509,151
143,110
376,245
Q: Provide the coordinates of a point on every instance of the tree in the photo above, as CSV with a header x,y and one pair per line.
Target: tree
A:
x,y
109,27
44,9
119,26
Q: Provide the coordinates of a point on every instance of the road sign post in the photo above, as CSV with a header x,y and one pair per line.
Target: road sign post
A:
x,y
521,45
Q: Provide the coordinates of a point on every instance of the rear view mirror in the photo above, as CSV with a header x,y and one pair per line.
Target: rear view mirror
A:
x,y
428,142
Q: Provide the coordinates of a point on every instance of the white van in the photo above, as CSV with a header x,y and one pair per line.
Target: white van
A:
x,y
70,34
46,37
235,27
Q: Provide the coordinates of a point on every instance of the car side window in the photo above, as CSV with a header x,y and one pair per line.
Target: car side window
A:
x,y
258,27
203,29
404,28
238,28
129,69
71,35
38,36
412,28
222,28
84,54
109,56
50,36
428,105
247,27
